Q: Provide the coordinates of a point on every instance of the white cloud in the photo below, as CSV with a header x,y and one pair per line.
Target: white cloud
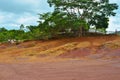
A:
x,y
114,1
14,21
114,23
13,13
10,26
27,19
32,2
5,17
1,18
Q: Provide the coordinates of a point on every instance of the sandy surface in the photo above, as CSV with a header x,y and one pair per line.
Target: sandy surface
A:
x,y
65,70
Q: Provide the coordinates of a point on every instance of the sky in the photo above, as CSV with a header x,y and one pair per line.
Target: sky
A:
x,y
13,13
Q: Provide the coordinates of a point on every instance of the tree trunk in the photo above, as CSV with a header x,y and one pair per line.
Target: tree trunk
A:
x,y
80,34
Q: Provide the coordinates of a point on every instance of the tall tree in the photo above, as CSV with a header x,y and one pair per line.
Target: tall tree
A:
x,y
3,29
90,11
22,27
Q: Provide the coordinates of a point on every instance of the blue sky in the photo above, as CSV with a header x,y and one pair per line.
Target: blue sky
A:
x,y
13,13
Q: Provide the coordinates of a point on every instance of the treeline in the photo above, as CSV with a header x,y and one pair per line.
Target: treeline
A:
x,y
17,35
70,17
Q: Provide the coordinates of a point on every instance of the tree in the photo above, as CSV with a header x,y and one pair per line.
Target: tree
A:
x,y
22,27
73,11
101,13
34,32
91,12
52,24
3,29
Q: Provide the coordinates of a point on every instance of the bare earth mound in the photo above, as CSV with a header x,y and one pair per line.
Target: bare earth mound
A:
x,y
62,48
86,58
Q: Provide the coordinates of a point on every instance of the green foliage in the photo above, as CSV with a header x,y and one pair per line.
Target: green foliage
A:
x,y
75,15
69,17
6,35
22,27
34,32
3,29
91,11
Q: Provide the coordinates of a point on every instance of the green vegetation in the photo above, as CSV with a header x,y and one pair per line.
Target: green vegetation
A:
x,y
70,17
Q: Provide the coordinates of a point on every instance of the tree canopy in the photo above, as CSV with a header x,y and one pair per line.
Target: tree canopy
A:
x,y
94,12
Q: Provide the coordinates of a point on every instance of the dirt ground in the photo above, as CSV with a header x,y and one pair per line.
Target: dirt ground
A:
x,y
64,48
86,58
66,70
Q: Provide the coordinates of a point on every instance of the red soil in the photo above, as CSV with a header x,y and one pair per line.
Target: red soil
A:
x,y
89,58
82,52
67,70
32,49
